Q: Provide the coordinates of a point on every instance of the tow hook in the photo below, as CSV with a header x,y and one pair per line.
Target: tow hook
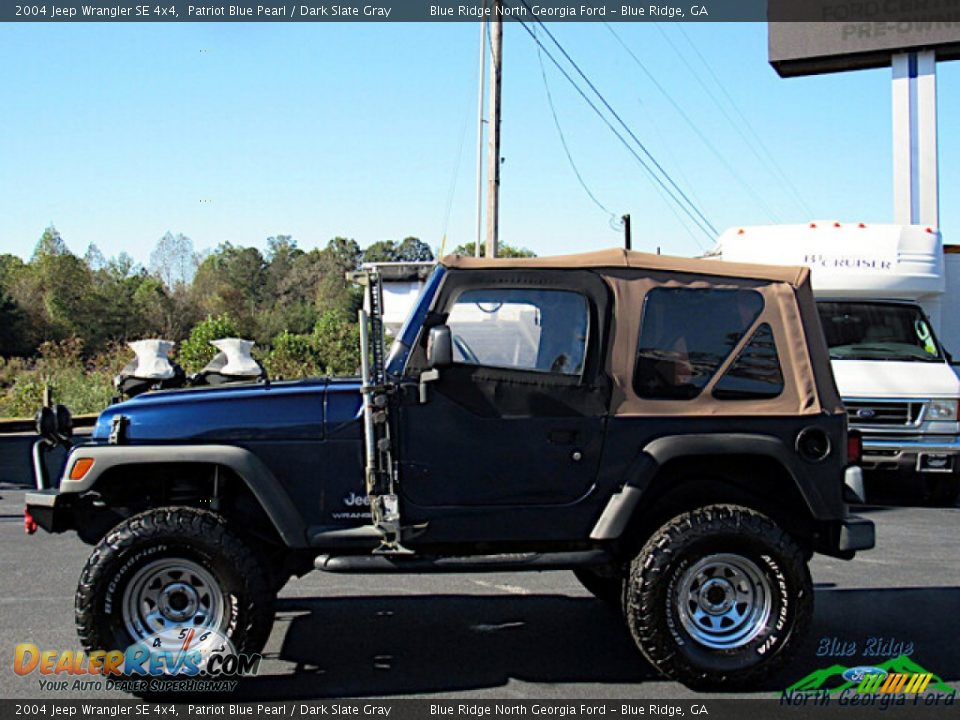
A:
x,y
29,524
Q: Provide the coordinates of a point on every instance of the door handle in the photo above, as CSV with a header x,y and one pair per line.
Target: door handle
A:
x,y
562,437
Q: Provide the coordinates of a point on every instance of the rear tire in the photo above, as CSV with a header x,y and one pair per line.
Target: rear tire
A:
x,y
170,569
719,597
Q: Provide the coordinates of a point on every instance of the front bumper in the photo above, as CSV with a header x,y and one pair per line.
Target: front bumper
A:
x,y
930,454
51,510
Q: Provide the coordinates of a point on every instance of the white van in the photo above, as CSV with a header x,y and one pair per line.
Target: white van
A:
x,y
883,298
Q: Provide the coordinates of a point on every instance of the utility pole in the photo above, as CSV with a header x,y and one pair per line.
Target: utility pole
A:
x,y
493,156
480,93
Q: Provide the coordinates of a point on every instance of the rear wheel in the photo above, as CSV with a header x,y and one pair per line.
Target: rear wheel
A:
x,y
172,573
719,597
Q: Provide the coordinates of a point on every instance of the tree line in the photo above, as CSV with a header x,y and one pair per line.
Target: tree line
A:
x,y
62,313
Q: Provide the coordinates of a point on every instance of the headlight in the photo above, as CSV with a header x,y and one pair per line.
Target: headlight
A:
x,y
942,410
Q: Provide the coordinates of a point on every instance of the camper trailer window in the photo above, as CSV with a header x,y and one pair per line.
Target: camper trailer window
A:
x,y
686,334
878,331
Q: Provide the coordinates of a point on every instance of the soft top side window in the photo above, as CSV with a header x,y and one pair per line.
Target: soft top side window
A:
x,y
686,334
512,328
756,373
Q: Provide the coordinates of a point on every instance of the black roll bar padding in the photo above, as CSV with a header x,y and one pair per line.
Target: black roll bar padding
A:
x,y
39,468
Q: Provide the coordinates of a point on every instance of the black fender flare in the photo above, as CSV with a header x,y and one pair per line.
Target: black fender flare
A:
x,y
264,486
620,508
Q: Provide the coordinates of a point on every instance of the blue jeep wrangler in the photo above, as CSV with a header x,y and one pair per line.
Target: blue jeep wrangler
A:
x,y
666,428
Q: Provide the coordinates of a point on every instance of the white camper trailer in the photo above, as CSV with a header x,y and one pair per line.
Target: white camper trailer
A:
x,y
884,297
402,284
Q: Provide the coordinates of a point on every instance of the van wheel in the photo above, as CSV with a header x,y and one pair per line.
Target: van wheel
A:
x,y
169,571
943,491
719,597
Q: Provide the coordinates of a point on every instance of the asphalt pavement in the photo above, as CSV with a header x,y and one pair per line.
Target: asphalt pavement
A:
x,y
508,636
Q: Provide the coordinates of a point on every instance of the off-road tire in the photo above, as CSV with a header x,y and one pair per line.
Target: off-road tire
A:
x,y
607,589
670,557
198,536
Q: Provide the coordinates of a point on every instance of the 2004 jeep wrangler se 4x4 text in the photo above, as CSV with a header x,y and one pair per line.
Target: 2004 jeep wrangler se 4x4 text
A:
x,y
666,428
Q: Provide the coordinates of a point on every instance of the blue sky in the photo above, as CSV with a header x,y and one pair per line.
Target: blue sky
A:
x,y
117,133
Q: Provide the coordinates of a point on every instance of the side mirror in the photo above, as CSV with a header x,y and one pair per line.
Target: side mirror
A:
x,y
439,347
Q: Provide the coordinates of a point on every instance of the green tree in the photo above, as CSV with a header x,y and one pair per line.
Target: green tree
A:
x,y
337,340
282,253
410,249
231,281
333,291
50,244
15,338
504,250
293,356
10,267
344,252
381,251
56,290
94,259
413,249
196,351
155,309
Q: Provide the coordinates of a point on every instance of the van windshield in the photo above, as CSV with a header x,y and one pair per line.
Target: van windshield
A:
x,y
878,331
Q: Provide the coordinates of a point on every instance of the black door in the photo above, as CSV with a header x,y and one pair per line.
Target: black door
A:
x,y
508,445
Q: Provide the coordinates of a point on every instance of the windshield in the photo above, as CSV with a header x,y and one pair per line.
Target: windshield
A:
x,y
400,349
878,331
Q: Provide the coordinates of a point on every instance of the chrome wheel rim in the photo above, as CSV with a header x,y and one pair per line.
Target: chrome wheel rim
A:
x,y
171,593
724,601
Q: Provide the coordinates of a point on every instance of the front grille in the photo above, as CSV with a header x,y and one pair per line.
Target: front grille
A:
x,y
887,413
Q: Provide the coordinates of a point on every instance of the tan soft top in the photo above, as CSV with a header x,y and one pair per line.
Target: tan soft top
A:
x,y
619,258
789,311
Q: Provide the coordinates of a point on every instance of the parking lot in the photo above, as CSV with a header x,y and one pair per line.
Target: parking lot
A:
x,y
514,636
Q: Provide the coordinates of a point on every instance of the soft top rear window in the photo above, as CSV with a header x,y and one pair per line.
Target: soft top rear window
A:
x,y
686,334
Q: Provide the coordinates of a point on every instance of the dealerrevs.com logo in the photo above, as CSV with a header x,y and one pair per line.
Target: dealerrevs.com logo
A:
x,y
188,659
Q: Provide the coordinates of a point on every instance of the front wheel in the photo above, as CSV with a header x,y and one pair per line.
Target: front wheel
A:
x,y
170,574
719,597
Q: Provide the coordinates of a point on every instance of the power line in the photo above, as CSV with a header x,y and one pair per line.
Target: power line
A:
x,y
658,183
690,207
785,179
693,126
563,140
672,159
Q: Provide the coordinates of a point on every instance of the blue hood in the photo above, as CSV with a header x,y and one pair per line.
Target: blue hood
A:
x,y
303,410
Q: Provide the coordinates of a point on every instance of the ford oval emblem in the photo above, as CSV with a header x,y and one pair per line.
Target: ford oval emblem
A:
x,y
856,674
866,413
